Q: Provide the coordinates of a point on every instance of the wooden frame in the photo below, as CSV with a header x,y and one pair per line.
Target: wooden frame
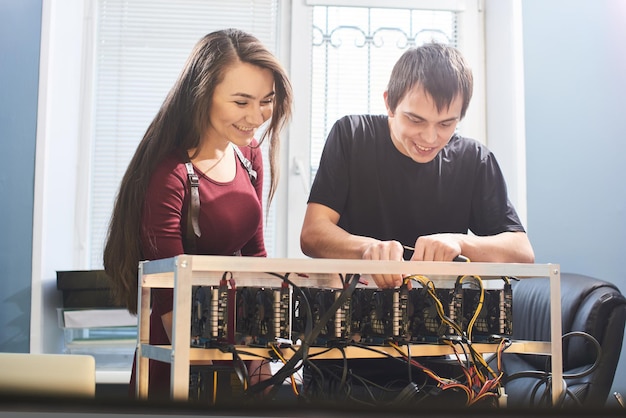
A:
x,y
184,271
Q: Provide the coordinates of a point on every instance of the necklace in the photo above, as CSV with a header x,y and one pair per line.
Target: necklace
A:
x,y
213,165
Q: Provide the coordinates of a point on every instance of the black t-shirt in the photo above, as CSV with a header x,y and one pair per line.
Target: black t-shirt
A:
x,y
381,193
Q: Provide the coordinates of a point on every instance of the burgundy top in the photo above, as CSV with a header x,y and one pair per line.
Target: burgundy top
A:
x,y
231,220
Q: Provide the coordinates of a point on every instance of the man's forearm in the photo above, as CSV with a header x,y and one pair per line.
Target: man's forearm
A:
x,y
330,241
507,247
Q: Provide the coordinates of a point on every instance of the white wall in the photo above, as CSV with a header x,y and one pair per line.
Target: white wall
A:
x,y
506,134
575,84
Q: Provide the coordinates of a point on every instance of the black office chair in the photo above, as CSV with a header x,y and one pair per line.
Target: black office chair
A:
x,y
593,319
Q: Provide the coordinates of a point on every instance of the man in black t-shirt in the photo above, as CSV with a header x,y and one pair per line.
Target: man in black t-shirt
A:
x,y
405,179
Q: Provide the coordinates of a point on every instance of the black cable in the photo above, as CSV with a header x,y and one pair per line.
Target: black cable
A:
x,y
316,385
302,352
241,370
344,369
468,362
409,367
547,381
399,359
596,345
368,385
545,377
319,382
344,375
273,380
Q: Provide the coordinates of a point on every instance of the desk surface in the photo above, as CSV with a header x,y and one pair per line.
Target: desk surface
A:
x,y
198,356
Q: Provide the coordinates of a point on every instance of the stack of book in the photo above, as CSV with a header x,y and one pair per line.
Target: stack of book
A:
x,y
92,324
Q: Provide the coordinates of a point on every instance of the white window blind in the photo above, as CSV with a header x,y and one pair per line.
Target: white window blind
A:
x,y
141,46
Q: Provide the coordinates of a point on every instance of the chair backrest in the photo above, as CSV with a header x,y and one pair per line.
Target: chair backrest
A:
x,y
67,375
589,306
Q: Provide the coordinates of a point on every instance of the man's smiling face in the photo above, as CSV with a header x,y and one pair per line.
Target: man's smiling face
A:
x,y
418,129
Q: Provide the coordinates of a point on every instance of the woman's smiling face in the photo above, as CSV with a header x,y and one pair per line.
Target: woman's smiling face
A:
x,y
418,129
241,103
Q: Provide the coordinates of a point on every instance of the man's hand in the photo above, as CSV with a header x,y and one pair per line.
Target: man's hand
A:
x,y
385,251
437,247
505,247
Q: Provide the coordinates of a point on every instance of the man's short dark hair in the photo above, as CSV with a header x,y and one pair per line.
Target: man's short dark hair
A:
x,y
440,69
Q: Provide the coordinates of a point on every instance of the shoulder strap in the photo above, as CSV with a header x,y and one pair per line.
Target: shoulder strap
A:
x,y
193,226
246,164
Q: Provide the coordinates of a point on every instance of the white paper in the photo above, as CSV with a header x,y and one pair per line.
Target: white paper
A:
x,y
94,318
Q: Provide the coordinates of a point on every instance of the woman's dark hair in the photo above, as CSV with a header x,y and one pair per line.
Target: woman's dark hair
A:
x,y
440,69
179,125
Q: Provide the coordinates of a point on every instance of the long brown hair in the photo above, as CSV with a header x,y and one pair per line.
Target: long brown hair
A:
x,y
179,125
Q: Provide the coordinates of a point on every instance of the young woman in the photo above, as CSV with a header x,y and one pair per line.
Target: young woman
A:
x,y
230,86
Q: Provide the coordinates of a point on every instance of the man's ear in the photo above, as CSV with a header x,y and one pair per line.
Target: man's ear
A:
x,y
389,111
